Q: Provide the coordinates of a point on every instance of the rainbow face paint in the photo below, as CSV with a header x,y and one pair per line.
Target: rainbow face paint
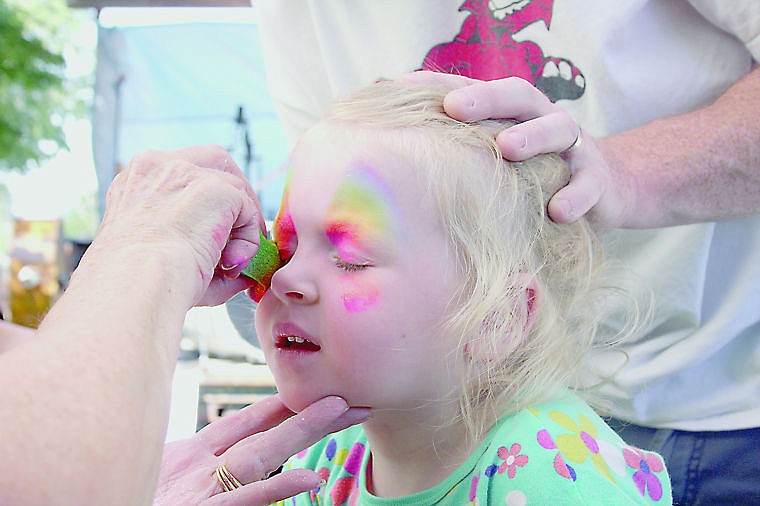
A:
x,y
360,221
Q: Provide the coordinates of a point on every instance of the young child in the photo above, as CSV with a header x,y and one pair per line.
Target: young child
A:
x,y
424,280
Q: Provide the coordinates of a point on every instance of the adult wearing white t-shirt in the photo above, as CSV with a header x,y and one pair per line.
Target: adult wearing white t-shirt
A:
x,y
668,97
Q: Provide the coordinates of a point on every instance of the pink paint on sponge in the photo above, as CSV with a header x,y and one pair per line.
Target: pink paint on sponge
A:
x,y
262,266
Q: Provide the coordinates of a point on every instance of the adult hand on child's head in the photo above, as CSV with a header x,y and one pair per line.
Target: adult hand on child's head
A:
x,y
543,127
251,444
194,204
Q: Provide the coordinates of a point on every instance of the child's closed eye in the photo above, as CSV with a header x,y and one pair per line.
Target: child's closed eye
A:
x,y
350,266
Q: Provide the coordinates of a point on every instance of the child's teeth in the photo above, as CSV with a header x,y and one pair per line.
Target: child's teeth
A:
x,y
299,340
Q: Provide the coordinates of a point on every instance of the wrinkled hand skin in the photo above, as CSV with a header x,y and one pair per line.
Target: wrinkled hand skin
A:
x,y
252,443
193,205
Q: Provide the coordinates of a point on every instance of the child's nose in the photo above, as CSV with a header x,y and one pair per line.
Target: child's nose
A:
x,y
293,284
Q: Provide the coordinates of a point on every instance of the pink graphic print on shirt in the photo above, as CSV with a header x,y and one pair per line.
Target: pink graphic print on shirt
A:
x,y
485,48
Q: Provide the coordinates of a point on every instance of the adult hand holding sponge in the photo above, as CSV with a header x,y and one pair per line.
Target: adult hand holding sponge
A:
x,y
262,267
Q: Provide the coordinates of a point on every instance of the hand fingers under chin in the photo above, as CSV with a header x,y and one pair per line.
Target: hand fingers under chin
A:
x,y
278,487
257,456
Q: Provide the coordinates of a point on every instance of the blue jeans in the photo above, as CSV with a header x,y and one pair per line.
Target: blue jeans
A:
x,y
706,468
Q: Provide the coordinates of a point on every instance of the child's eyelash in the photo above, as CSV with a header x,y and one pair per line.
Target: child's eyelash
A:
x,y
349,267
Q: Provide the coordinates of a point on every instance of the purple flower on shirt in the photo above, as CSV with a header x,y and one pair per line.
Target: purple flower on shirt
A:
x,y
646,464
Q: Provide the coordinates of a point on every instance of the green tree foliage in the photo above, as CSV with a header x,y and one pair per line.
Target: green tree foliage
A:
x,y
35,95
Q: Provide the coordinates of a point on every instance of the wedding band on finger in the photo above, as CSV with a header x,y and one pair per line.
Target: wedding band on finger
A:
x,y
226,479
576,144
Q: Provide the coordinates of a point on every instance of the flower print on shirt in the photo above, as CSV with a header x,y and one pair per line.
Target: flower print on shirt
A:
x,y
474,491
646,464
560,466
345,489
512,459
580,445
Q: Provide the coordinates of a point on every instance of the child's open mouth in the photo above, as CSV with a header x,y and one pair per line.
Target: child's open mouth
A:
x,y
295,343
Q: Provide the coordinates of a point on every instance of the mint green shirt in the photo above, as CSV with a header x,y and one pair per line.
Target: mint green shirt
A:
x,y
559,452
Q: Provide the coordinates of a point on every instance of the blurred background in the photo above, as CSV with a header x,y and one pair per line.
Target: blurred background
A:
x,y
84,86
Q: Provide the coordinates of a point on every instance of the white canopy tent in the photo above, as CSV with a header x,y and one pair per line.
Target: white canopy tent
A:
x,y
174,85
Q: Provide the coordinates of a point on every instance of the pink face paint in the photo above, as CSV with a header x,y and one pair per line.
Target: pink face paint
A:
x,y
284,230
359,296
360,219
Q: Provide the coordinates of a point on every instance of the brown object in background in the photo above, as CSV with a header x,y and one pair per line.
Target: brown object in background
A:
x,y
34,270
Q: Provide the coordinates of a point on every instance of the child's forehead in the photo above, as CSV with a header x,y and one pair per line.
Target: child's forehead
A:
x,y
357,153
334,136
340,174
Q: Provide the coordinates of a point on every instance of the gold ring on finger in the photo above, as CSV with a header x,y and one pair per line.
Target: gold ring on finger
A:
x,y
226,479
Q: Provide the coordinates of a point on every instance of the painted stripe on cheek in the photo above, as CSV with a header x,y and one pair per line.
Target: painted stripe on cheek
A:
x,y
359,298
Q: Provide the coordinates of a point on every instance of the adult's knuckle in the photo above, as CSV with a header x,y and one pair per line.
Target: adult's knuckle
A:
x,y
214,148
519,86
219,156
568,121
262,465
302,427
144,158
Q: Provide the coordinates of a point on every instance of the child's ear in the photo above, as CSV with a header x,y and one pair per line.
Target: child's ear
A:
x,y
518,323
530,299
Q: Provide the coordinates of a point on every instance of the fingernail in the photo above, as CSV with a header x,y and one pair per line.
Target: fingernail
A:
x,y
235,263
322,483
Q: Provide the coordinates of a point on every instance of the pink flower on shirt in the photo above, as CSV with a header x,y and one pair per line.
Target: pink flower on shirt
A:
x,y
646,465
512,459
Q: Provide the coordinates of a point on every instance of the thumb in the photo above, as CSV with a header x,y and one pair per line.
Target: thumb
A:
x,y
576,199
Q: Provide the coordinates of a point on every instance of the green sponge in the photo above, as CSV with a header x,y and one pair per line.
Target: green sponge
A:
x,y
262,266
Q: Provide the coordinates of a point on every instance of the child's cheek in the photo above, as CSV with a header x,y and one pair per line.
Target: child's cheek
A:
x,y
359,295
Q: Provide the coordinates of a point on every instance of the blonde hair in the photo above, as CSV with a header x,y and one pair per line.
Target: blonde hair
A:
x,y
495,214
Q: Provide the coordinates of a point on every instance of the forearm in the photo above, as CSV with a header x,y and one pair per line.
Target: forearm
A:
x,y
93,433
11,335
701,166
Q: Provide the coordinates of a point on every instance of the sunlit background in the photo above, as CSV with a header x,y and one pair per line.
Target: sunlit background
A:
x,y
66,186
148,78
